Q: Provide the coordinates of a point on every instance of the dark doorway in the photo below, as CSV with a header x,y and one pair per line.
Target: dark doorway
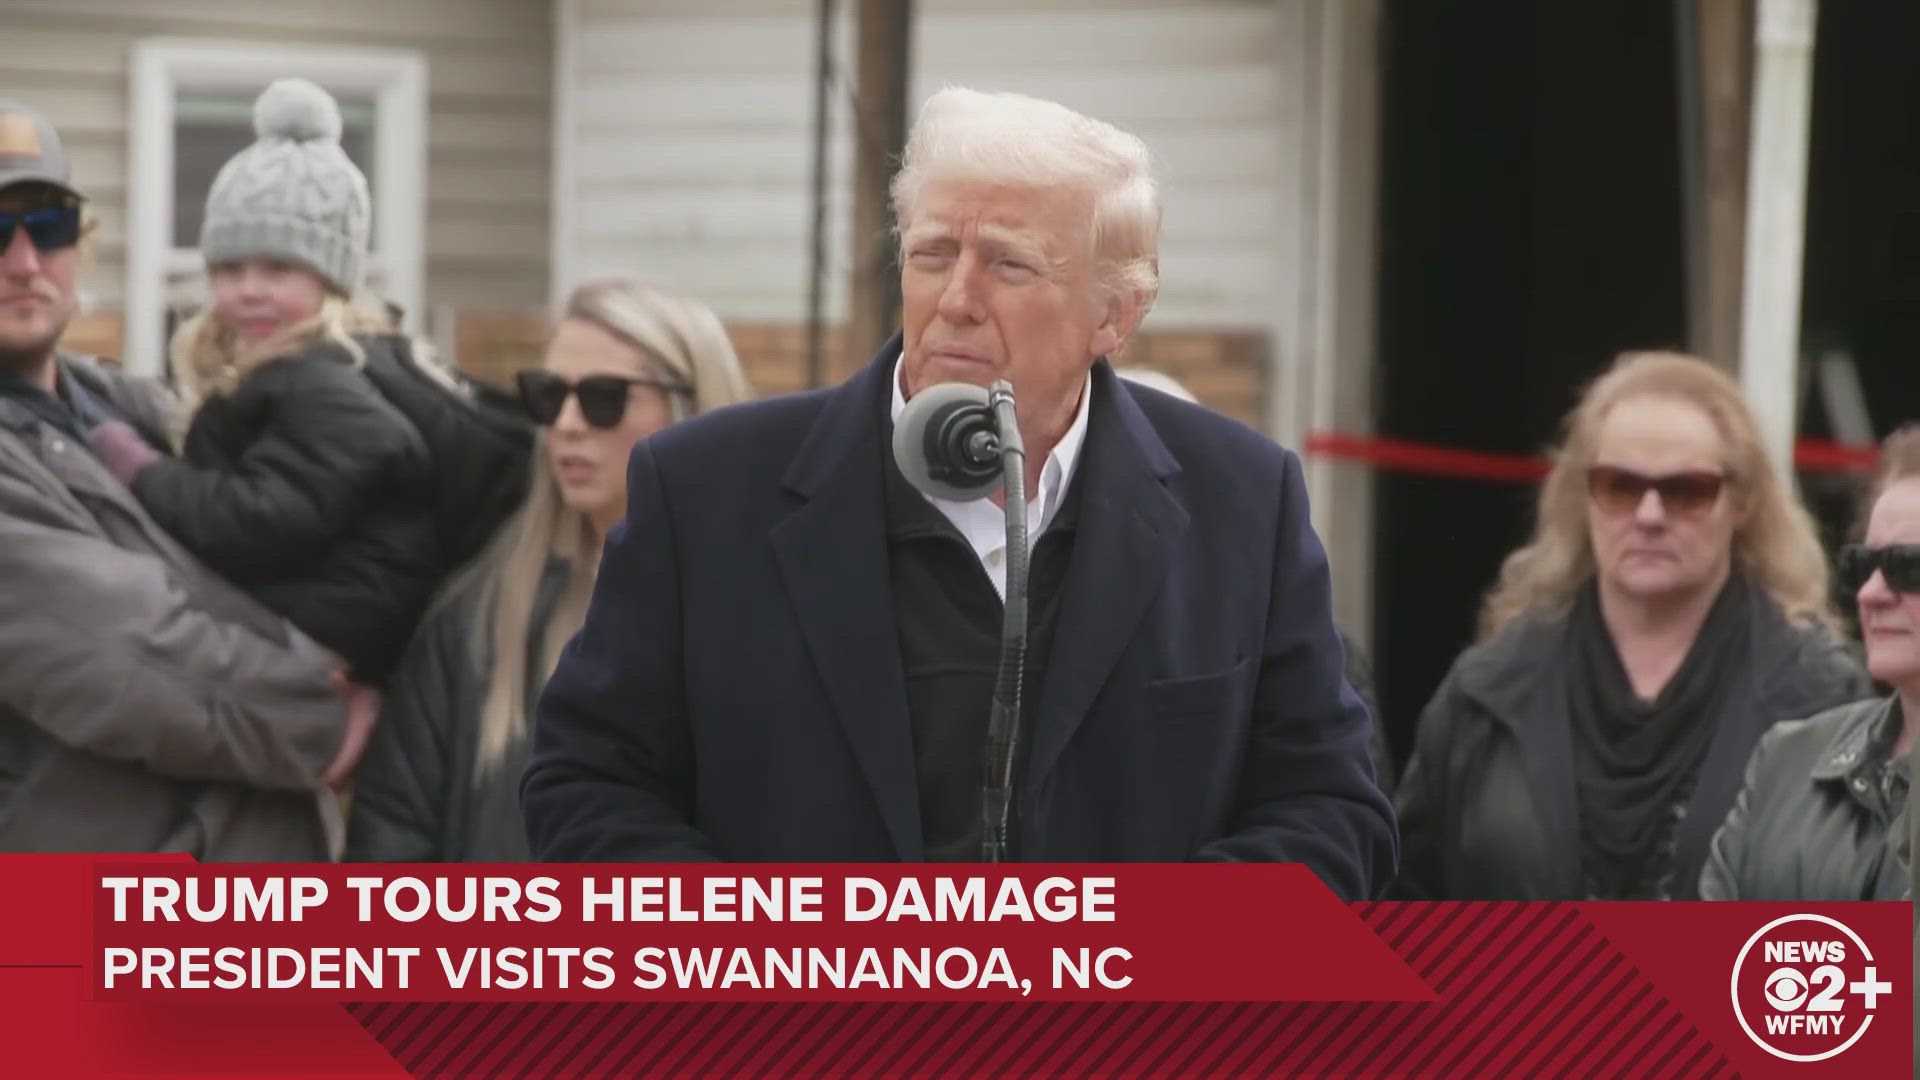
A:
x,y
1530,229
1862,287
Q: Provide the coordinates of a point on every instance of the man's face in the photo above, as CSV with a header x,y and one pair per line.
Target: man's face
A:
x,y
997,283
37,292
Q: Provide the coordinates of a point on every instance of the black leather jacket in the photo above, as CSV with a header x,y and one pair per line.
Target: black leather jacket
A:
x,y
1822,814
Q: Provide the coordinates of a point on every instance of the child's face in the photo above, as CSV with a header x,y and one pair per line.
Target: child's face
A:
x,y
258,298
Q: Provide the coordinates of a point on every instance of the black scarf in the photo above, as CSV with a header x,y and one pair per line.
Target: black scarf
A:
x,y
1634,761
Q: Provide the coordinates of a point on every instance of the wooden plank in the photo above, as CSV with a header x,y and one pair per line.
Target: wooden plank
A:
x,y
1018,40
697,46
615,103
1171,91
473,184
1107,37
490,284
698,158
445,20
451,236
685,214
616,9
478,132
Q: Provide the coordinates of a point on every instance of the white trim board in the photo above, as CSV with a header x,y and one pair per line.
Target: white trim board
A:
x,y
162,67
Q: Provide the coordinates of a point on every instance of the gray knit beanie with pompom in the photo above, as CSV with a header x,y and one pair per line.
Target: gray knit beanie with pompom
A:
x,y
293,194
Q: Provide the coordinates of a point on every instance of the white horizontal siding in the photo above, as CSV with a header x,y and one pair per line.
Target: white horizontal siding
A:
x,y
490,65
690,150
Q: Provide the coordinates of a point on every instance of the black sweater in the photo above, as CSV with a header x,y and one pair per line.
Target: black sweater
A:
x,y
949,620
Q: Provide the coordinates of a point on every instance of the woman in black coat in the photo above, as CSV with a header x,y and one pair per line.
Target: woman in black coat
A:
x,y
1670,608
441,780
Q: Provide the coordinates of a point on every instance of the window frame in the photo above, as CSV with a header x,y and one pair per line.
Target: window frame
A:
x,y
163,68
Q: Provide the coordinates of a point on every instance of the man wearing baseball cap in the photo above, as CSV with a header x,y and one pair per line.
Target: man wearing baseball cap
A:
x,y
145,705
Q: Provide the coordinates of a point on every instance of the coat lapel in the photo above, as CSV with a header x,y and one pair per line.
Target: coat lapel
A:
x,y
832,553
1129,525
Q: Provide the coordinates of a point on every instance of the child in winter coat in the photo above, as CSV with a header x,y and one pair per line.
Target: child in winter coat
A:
x,y
298,480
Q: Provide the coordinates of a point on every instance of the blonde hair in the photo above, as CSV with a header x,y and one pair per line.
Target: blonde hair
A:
x,y
207,359
1774,541
1899,460
689,342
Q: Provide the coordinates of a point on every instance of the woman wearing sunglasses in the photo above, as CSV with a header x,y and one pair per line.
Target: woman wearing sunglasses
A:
x,y
441,781
1824,796
1670,607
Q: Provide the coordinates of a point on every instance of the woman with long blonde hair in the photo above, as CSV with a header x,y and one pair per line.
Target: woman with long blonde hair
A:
x,y
441,780
1670,607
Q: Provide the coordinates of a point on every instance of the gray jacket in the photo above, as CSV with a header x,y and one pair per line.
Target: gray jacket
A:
x,y
145,705
1821,816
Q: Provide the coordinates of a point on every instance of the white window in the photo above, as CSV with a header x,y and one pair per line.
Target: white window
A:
x,y
192,109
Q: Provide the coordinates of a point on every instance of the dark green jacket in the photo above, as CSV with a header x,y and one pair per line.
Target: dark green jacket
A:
x,y
1821,814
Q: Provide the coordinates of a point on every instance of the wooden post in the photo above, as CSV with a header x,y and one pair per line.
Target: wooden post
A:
x,y
1724,56
880,134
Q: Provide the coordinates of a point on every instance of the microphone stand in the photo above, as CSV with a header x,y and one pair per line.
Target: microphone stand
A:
x,y
1003,722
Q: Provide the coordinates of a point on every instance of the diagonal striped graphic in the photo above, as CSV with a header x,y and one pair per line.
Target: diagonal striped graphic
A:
x,y
1525,989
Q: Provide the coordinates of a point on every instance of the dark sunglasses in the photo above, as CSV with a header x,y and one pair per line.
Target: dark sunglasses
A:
x,y
49,227
603,398
1898,563
1684,494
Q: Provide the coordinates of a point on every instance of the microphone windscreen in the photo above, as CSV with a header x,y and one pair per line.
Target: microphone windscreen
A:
x,y
926,452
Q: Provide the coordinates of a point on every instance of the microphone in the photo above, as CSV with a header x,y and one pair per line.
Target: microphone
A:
x,y
957,441
947,443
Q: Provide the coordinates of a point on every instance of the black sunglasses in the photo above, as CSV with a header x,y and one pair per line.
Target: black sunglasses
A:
x,y
603,398
1898,563
49,227
1620,491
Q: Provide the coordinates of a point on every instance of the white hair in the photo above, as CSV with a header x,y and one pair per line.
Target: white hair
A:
x,y
1003,138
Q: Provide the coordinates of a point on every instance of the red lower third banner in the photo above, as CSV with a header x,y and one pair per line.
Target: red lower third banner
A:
x,y
165,967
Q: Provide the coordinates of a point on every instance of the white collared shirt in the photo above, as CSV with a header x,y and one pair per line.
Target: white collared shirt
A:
x,y
984,525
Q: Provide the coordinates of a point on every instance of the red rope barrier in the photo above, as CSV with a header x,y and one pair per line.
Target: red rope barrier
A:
x,y
1428,459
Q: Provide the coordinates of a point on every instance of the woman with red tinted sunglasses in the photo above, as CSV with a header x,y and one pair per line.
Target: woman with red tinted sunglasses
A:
x,y
1825,795
1670,607
441,780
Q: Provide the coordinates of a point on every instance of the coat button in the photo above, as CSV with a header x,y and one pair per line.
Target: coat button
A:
x,y
58,446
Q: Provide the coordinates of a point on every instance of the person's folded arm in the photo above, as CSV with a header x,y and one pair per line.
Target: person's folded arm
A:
x,y
295,489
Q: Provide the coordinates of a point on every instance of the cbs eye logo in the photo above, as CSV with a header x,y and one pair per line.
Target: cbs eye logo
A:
x,y
1786,989
1805,987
